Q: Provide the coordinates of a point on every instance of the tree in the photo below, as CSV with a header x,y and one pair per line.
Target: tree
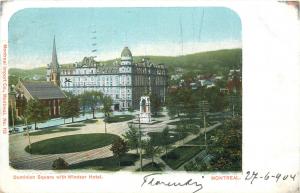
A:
x,y
171,101
155,104
91,99
107,103
11,116
150,149
189,102
70,108
230,155
165,137
132,137
181,129
60,164
182,101
119,148
36,112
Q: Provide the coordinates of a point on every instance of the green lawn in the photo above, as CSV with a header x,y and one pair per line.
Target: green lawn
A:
x,y
72,143
194,129
173,137
109,163
182,154
119,118
151,167
90,121
196,121
53,130
76,125
158,116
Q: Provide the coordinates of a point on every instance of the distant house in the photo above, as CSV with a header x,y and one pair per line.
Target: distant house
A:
x,y
46,92
207,83
193,85
234,83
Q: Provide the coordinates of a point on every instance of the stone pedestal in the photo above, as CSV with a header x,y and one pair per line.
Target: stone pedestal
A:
x,y
145,111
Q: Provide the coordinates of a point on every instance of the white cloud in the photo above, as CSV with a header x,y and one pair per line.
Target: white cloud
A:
x,y
158,49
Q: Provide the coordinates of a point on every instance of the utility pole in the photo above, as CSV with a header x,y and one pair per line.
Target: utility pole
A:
x,y
204,110
140,144
13,109
233,100
105,117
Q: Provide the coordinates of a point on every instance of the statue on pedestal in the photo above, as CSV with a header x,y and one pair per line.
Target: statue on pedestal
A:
x,y
145,112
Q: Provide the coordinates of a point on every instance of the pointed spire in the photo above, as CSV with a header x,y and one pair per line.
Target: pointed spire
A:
x,y
54,56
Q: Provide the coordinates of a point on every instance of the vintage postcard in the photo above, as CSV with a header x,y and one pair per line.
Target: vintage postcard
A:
x,y
140,97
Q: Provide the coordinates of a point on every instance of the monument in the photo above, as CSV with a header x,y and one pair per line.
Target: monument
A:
x,y
145,111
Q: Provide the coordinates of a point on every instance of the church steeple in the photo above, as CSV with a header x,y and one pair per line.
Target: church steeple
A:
x,y
54,66
54,63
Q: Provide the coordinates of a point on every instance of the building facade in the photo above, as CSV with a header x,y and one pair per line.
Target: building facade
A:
x,y
49,94
124,81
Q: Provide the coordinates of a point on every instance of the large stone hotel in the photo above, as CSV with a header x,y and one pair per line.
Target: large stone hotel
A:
x,y
124,81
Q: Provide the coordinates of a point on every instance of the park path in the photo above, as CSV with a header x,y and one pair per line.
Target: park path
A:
x,y
20,159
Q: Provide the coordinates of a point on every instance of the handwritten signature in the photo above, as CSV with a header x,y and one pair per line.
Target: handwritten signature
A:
x,y
152,181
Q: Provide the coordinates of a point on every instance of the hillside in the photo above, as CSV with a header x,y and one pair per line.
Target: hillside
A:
x,y
218,62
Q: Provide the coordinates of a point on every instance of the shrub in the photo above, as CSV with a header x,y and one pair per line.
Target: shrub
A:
x,y
60,164
172,155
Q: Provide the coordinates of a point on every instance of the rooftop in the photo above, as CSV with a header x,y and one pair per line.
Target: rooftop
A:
x,y
43,90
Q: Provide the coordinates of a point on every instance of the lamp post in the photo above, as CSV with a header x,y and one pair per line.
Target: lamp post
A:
x,y
27,131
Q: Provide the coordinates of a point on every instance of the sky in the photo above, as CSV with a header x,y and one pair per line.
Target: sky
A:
x,y
146,31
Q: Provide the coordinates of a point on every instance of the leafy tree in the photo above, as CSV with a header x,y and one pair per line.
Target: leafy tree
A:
x,y
172,103
132,137
107,103
182,101
70,108
36,112
181,129
150,149
165,137
215,99
189,101
60,164
230,155
12,115
119,148
91,99
130,109
156,104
